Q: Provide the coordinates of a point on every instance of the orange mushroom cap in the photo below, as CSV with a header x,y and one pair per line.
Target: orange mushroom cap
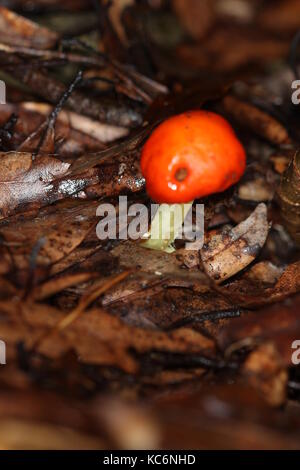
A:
x,y
190,156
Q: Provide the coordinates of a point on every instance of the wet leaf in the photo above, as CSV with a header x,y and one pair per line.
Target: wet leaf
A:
x,y
145,349
231,251
257,120
25,179
289,197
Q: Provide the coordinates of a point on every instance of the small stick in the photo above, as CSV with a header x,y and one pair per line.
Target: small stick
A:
x,y
53,116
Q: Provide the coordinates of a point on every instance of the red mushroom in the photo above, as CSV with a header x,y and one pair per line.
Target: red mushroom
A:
x,y
191,156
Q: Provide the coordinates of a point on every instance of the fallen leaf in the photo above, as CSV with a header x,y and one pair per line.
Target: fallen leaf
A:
x,y
25,179
256,120
231,251
289,197
19,31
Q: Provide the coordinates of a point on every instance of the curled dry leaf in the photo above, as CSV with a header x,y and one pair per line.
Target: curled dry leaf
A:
x,y
256,120
289,197
253,291
231,251
18,31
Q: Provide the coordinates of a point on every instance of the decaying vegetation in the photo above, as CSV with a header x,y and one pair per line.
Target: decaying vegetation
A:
x,y
110,345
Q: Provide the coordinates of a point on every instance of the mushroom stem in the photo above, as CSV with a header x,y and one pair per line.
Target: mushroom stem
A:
x,y
166,226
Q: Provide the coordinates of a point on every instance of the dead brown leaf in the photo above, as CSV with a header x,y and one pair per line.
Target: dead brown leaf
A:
x,y
25,179
229,252
15,30
256,120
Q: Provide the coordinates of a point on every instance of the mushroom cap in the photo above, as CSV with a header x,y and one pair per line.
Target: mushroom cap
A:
x,y
190,156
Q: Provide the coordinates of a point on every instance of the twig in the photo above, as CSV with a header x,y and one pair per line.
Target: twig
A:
x,y
206,316
32,265
174,360
53,116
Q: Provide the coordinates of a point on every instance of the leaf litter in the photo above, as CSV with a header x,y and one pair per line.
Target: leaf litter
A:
x,y
105,332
